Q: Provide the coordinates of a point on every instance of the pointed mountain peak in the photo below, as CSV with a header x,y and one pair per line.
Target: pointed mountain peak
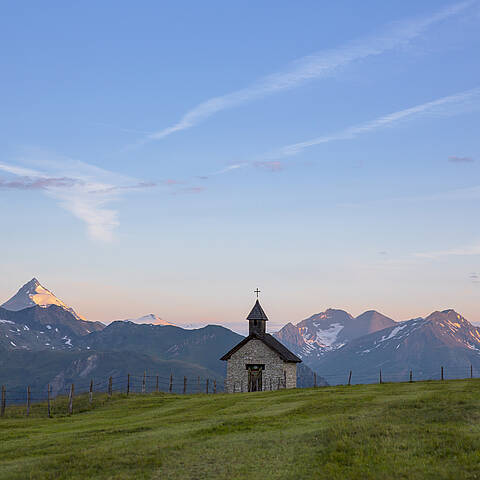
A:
x,y
444,314
32,284
449,319
449,311
373,315
32,294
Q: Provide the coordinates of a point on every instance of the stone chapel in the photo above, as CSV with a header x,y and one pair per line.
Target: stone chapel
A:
x,y
260,362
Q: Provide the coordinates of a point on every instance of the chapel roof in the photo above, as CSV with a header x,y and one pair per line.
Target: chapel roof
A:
x,y
284,353
257,312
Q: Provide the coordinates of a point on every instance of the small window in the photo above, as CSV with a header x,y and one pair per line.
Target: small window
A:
x,y
255,322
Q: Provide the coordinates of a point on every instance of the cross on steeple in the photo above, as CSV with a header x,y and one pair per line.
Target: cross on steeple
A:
x,y
257,291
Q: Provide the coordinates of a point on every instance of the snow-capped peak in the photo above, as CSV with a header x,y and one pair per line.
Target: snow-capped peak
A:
x,y
33,293
150,319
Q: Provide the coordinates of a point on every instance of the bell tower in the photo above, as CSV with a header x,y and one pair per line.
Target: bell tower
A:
x,y
257,320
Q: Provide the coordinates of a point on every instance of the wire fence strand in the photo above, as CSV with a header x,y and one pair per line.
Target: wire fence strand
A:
x,y
134,384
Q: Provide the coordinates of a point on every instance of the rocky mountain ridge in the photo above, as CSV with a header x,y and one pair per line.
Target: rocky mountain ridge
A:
x,y
329,330
422,345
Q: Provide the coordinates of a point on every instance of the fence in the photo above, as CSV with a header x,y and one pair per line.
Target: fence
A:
x,y
142,384
126,384
355,377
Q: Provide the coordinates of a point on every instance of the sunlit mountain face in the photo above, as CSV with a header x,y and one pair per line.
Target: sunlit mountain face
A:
x,y
33,293
150,319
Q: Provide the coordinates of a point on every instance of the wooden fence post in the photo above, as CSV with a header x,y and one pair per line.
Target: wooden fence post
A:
x,y
90,393
198,385
144,382
411,376
206,383
156,384
184,385
284,379
70,399
170,386
442,373
270,384
380,378
225,386
350,378
28,401
128,384
278,386
214,385
48,401
471,371
4,402
110,387
314,379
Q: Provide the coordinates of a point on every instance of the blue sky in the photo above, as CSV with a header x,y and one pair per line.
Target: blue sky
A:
x,y
171,157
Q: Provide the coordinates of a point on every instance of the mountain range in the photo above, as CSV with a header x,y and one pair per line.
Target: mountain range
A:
x,y
423,345
334,342
48,341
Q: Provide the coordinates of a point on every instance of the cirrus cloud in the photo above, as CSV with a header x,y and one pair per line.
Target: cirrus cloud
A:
x,y
84,190
456,159
315,66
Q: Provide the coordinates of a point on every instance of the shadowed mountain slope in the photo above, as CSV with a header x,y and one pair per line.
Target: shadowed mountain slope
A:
x,y
423,345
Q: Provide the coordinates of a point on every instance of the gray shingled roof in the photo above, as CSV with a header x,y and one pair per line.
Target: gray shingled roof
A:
x,y
257,313
285,354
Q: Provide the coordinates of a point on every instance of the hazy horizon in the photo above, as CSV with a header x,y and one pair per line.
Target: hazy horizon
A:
x,y
238,325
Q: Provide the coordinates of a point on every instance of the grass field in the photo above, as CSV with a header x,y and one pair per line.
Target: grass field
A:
x,y
420,430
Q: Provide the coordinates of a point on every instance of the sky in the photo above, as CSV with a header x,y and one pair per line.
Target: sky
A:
x,y
171,157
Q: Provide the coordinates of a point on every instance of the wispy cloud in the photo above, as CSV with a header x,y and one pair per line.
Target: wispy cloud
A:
x,y
84,190
466,250
467,193
28,183
171,182
450,105
455,159
319,65
272,166
446,106
229,168
474,277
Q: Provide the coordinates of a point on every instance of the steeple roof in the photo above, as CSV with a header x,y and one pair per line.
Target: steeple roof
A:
x,y
257,313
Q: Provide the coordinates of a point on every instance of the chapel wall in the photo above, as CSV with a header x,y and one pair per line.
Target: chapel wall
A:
x,y
256,352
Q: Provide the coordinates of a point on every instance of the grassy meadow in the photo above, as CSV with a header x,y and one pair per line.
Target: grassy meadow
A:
x,y
421,430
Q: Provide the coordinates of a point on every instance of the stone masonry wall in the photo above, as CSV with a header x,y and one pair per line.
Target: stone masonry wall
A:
x,y
256,352
291,374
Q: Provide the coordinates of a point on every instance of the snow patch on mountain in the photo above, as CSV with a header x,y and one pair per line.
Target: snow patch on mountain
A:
x,y
7,321
393,333
323,338
33,293
150,319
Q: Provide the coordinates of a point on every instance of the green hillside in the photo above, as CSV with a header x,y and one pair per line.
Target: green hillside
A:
x,y
418,430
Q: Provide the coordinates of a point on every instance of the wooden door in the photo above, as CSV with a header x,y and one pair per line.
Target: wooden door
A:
x,y
255,379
